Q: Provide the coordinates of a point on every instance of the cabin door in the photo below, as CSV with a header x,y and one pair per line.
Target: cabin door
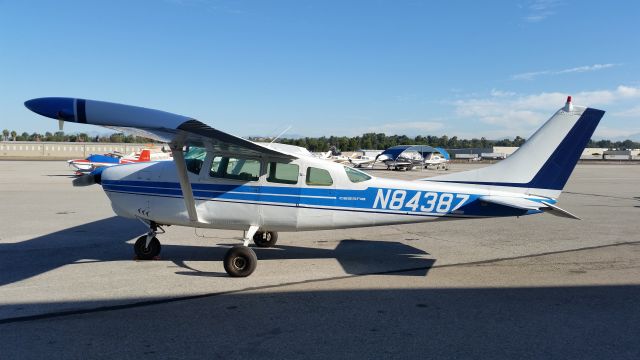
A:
x,y
317,199
280,195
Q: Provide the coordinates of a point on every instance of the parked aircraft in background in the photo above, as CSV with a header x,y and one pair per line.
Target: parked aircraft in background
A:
x,y
437,160
361,161
408,157
95,161
221,181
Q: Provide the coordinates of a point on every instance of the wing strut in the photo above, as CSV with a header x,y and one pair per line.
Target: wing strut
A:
x,y
185,185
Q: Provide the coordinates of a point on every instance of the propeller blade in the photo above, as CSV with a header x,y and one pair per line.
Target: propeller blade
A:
x,y
84,180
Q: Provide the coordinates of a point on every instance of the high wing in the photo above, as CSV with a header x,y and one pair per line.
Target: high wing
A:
x,y
176,130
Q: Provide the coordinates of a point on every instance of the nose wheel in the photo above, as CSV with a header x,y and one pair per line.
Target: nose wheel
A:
x,y
147,247
146,251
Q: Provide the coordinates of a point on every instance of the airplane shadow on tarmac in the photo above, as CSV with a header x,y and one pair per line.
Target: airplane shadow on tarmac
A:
x,y
106,240
355,256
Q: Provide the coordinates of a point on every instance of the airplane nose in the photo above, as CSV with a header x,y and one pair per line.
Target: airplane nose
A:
x,y
53,107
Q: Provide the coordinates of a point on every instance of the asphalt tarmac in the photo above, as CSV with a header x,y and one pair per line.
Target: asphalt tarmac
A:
x,y
529,288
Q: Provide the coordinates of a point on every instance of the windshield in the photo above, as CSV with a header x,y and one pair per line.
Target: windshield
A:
x,y
356,176
195,152
194,158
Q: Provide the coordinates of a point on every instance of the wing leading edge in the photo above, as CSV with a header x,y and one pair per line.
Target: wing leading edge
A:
x,y
174,129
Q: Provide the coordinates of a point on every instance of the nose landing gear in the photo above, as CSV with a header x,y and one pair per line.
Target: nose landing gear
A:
x,y
147,247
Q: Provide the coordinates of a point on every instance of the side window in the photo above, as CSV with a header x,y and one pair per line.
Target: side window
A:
x,y
282,173
215,167
318,177
235,168
356,176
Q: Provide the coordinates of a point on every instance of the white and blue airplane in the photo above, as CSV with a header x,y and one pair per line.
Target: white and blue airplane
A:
x,y
221,181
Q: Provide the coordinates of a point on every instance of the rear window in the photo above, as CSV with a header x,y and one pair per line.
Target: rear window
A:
x,y
356,176
282,173
318,177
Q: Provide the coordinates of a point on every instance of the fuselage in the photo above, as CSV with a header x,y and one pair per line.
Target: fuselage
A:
x,y
283,195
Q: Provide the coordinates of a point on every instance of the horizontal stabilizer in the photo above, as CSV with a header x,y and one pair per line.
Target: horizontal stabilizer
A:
x,y
526,204
514,202
554,210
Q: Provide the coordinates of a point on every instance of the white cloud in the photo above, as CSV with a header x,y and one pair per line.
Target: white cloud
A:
x,y
615,133
501,93
521,114
578,69
633,112
539,10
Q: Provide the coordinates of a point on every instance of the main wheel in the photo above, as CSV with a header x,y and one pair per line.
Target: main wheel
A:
x,y
265,238
240,261
144,252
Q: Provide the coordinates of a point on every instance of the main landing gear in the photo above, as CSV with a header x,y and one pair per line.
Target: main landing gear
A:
x,y
239,261
265,238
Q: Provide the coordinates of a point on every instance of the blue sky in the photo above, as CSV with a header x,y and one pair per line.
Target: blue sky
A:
x,y
466,68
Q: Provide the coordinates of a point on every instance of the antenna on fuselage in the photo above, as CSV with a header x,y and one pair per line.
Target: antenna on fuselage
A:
x,y
282,133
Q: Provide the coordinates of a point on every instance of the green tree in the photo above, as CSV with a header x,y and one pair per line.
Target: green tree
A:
x,y
5,134
58,136
518,141
13,135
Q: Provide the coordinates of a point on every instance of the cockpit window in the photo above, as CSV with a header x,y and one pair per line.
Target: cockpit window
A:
x,y
235,168
356,176
194,158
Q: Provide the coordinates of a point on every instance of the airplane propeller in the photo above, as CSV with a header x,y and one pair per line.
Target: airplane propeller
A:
x,y
93,177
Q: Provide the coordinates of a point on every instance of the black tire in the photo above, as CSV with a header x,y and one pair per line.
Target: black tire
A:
x,y
147,253
240,261
265,238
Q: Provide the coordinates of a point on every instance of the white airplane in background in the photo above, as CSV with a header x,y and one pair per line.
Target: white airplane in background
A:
x,y
221,181
360,161
436,161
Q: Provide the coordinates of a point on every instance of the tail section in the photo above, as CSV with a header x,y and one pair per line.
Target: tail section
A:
x,y
544,163
145,155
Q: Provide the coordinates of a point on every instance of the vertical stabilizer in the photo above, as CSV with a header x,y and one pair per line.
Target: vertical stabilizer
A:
x,y
145,155
544,163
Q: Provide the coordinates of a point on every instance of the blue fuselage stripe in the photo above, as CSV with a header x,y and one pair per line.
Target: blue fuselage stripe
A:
x,y
402,201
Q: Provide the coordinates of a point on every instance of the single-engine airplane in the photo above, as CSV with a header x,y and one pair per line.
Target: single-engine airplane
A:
x,y
221,181
95,161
